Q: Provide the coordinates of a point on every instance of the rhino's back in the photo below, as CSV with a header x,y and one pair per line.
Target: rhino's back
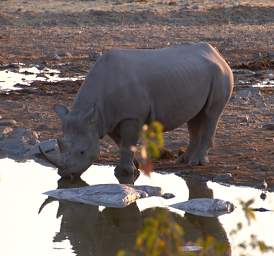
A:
x,y
153,61
170,84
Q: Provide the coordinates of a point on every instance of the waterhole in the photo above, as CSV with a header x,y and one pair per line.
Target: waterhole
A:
x,y
33,224
16,78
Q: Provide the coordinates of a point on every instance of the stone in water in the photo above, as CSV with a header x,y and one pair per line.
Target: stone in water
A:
x,y
109,195
205,207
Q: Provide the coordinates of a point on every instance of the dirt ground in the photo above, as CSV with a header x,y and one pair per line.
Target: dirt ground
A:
x,y
69,35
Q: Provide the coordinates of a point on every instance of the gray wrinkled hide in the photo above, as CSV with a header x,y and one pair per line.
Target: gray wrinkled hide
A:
x,y
109,195
205,207
171,85
128,88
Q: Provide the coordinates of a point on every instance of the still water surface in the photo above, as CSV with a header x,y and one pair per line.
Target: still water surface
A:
x,y
66,228
13,80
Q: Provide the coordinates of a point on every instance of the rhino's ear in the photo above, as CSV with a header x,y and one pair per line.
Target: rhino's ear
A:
x,y
91,115
61,110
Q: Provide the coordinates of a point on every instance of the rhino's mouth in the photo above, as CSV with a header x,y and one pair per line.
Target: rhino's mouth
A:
x,y
63,169
71,176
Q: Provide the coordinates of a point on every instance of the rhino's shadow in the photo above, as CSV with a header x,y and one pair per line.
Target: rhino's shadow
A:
x,y
100,233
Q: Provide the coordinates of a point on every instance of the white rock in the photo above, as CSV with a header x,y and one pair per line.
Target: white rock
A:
x,y
207,207
109,195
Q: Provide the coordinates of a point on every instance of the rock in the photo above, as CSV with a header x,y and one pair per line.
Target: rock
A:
x,y
245,72
261,209
205,207
263,195
192,248
223,177
55,56
16,142
68,54
249,92
151,191
7,122
244,118
167,154
270,54
264,185
4,131
168,196
93,55
269,126
195,7
172,3
109,195
47,146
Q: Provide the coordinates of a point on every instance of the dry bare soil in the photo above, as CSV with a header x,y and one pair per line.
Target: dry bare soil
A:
x,y
74,33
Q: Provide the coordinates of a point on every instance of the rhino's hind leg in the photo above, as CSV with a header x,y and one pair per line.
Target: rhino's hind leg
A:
x,y
194,139
205,139
201,135
127,169
202,127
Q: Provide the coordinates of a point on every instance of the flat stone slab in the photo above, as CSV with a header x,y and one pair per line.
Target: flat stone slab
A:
x,y
206,207
109,195
47,146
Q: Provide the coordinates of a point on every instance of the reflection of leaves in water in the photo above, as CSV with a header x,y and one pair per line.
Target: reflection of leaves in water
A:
x,y
252,242
248,211
211,246
260,244
161,235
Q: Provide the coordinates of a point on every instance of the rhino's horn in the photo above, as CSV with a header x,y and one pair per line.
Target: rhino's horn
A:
x,y
46,202
53,160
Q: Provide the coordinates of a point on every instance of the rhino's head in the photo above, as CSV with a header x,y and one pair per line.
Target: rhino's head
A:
x,y
79,146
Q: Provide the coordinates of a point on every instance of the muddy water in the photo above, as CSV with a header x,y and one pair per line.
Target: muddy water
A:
x,y
260,78
66,228
16,78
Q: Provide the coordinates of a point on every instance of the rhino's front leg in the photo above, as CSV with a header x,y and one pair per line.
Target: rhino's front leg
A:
x,y
126,171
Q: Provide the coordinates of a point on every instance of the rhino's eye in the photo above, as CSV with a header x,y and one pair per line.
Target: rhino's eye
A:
x,y
82,152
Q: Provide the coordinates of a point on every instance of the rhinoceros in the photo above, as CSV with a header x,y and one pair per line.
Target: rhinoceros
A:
x,y
127,88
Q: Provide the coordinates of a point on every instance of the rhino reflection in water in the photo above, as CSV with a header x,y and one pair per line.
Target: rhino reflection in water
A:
x,y
95,233
128,88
